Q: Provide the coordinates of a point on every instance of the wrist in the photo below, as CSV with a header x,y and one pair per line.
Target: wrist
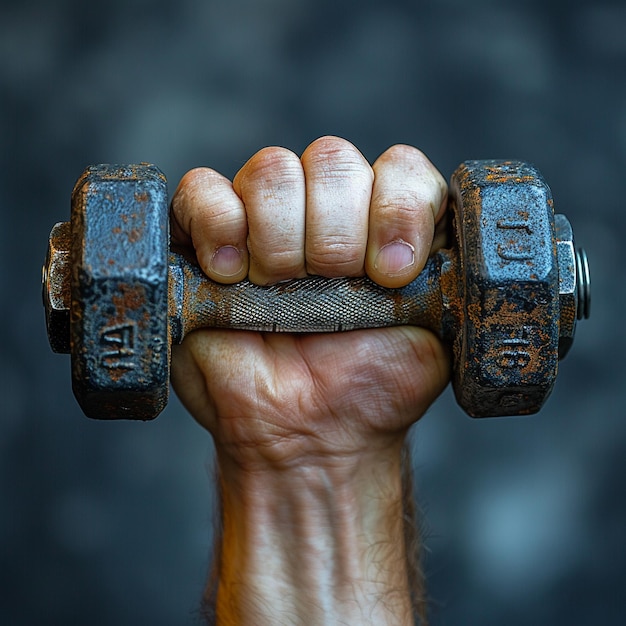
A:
x,y
317,543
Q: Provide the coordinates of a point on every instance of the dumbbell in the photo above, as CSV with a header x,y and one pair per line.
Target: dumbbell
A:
x,y
505,296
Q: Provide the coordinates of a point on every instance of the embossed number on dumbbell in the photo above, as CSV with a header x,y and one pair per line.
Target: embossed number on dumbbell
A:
x,y
513,353
118,347
518,248
506,295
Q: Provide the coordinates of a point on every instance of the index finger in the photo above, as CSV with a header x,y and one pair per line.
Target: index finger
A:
x,y
409,197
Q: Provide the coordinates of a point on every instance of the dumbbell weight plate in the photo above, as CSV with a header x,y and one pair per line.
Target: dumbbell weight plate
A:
x,y
501,295
119,328
507,350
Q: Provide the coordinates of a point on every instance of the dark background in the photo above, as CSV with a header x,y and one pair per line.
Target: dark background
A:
x,y
109,523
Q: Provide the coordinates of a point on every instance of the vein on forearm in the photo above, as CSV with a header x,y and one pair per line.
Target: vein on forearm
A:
x,y
311,548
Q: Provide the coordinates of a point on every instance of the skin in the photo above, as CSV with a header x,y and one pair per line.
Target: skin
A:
x,y
309,429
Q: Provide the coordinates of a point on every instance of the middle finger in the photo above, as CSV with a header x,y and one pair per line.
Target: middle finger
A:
x,y
338,192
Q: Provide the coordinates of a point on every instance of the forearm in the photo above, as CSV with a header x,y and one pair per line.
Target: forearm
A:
x,y
317,544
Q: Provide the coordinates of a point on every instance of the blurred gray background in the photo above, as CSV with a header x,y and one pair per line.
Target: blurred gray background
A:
x,y
109,523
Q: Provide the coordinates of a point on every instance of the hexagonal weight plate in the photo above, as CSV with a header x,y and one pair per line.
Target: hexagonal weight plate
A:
x,y
507,352
119,329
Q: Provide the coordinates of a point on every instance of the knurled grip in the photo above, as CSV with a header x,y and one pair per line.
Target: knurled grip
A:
x,y
312,304
505,297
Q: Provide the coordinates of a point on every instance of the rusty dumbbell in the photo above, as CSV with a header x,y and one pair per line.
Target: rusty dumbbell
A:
x,y
505,296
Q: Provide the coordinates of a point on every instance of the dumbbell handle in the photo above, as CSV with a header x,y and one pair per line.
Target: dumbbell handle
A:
x,y
312,304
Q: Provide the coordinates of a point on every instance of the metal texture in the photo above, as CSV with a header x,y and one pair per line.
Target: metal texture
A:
x,y
119,292
56,288
507,350
583,282
506,296
569,289
312,304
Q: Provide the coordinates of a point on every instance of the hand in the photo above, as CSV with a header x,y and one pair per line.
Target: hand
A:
x,y
320,409
329,213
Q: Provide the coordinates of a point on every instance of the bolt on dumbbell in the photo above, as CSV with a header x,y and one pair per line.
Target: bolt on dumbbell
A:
x,y
506,295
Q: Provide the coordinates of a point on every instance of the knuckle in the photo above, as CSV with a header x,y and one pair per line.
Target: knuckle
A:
x,y
331,157
194,186
200,186
279,260
268,166
402,208
328,255
408,154
414,162
270,267
405,216
407,179
204,197
402,150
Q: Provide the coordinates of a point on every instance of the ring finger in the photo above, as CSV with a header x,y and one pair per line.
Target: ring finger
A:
x,y
272,188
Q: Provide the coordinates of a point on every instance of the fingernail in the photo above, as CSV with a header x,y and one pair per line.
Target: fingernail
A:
x,y
395,257
226,261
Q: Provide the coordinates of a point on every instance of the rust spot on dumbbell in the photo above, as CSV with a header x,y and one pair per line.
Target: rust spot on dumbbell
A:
x,y
505,296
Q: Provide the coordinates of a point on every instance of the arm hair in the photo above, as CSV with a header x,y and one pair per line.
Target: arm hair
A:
x,y
412,541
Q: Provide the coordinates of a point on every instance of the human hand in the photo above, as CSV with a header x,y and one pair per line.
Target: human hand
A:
x,y
309,428
282,399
